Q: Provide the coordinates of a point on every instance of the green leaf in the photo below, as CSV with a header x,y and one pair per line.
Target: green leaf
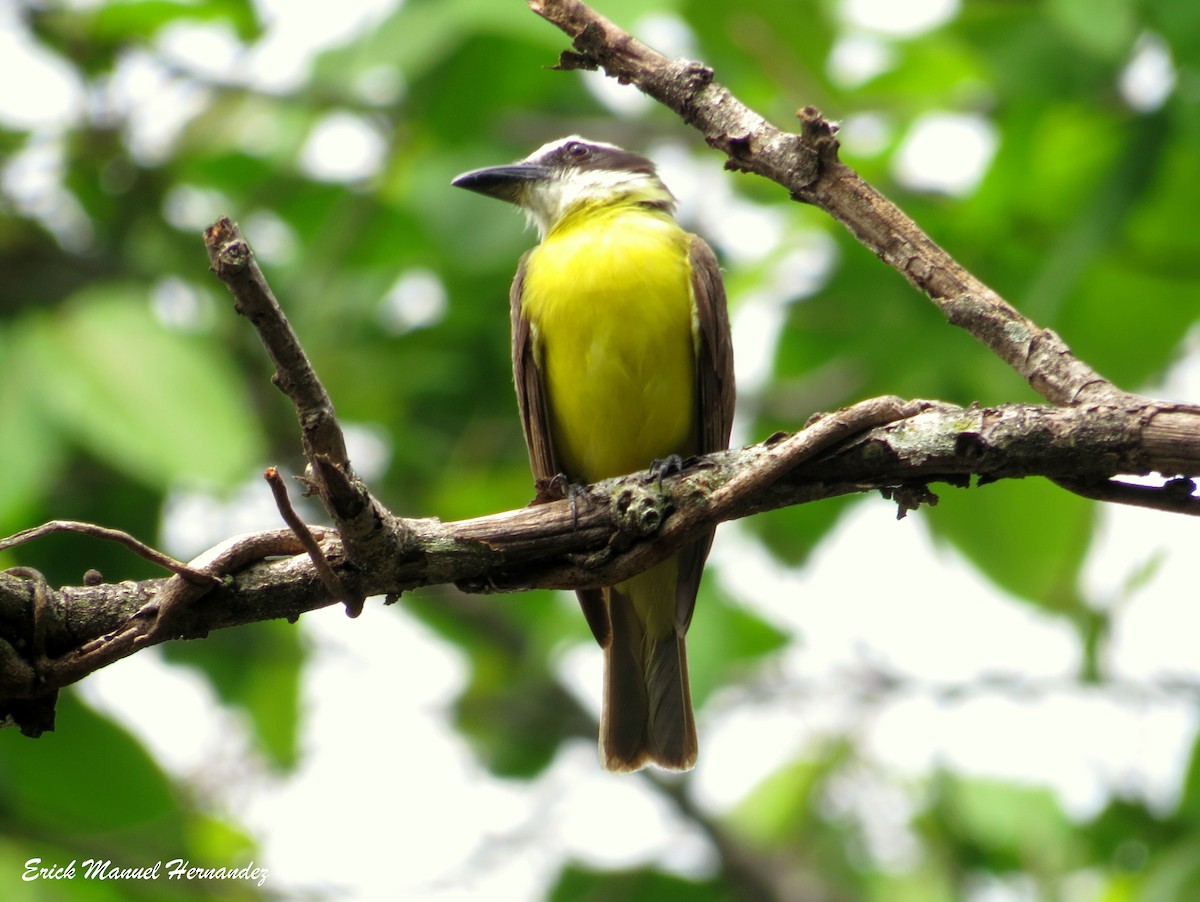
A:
x,y
578,884
213,839
1027,536
1103,27
1001,826
936,72
161,406
88,777
1156,242
1178,23
256,667
1189,798
925,883
1175,874
420,34
782,805
29,463
1162,310
126,19
789,811
513,709
725,641
792,533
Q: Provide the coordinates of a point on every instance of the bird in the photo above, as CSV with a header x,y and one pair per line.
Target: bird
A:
x,y
622,359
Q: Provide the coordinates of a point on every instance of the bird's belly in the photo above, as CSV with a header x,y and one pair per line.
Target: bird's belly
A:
x,y
613,325
628,401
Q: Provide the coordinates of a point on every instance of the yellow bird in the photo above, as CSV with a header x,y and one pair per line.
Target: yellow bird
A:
x,y
621,357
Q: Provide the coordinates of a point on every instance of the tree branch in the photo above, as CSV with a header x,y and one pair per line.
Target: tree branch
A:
x,y
807,165
52,637
137,546
360,519
233,263
615,529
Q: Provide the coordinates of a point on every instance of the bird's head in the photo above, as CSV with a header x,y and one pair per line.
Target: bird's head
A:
x,y
565,175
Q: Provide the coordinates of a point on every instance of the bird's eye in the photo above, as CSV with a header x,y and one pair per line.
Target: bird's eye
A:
x,y
577,150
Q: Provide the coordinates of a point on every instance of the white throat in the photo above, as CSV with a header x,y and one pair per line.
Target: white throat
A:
x,y
546,203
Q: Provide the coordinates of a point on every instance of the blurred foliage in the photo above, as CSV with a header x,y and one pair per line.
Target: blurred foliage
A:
x,y
93,793
125,375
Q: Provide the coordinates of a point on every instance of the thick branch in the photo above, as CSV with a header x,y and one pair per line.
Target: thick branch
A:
x,y
807,165
50,638
615,529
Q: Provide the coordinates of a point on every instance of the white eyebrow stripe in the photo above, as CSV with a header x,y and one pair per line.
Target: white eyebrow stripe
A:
x,y
552,146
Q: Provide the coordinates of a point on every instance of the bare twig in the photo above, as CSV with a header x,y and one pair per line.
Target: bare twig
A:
x,y
113,535
329,470
234,264
346,499
41,606
1175,496
332,582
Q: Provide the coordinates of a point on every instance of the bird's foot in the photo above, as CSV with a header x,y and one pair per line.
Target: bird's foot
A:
x,y
559,487
671,465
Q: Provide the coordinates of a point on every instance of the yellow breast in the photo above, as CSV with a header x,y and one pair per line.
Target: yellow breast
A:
x,y
609,299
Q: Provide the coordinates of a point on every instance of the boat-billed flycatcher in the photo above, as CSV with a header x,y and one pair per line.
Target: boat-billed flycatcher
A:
x,y
621,357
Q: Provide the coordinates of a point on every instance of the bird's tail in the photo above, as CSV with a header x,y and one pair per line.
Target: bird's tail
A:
x,y
647,715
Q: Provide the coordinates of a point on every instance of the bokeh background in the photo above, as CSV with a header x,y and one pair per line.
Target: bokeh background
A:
x,y
994,699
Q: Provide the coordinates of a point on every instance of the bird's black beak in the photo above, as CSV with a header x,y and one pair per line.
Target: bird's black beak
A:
x,y
502,182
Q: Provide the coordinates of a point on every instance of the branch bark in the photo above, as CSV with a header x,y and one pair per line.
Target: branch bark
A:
x,y
616,528
354,511
807,165
52,637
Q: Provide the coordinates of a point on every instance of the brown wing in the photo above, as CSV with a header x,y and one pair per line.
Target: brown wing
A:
x,y
715,396
714,358
535,422
531,399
